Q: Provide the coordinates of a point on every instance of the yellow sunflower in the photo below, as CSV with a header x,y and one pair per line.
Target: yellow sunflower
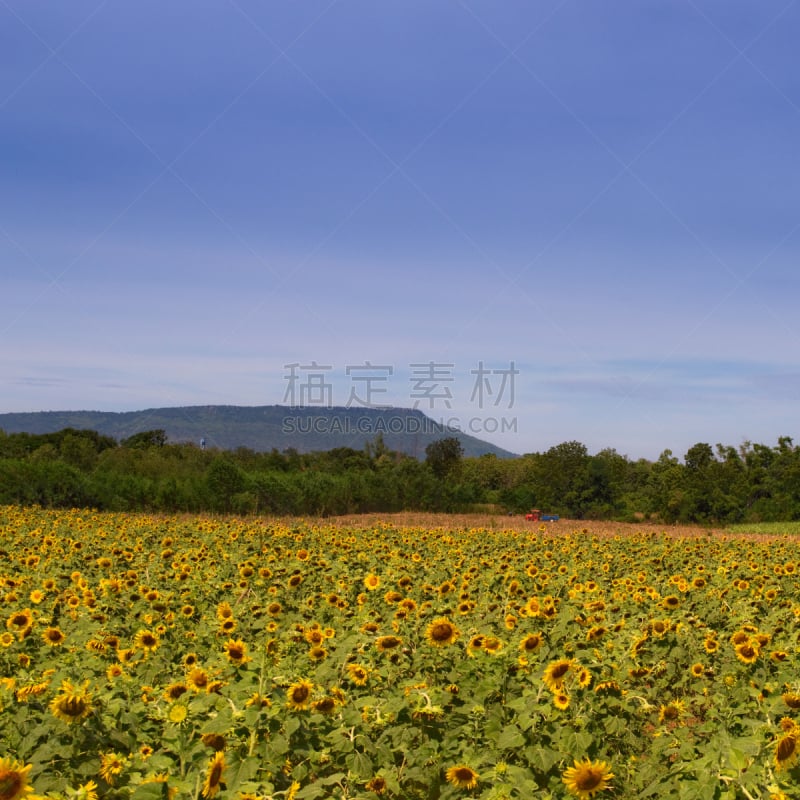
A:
x,y
608,687
595,633
372,582
197,679
216,769
442,632
177,713
86,791
786,750
358,674
111,766
660,626
174,691
672,711
236,652
146,640
317,653
492,645
72,704
228,625
384,643
314,636
747,652
586,778
531,643
325,705
791,699
53,637
561,701
778,655
462,777
555,672
298,695
739,637
14,779
20,622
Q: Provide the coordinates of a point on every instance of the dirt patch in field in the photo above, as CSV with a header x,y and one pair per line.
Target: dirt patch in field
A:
x,y
518,523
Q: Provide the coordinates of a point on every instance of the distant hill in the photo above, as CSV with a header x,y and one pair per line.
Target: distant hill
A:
x,y
262,428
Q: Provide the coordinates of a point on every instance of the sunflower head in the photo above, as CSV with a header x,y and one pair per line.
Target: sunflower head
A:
x,y
384,643
298,695
671,712
53,636
236,652
462,776
561,701
146,640
213,781
372,582
586,778
14,779
791,699
531,643
556,672
72,704
747,652
786,750
358,674
325,705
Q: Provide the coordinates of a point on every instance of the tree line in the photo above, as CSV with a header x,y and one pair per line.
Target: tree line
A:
x,y
710,485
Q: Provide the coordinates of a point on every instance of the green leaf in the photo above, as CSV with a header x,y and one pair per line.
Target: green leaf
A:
x,y
510,738
150,791
541,759
737,759
337,777
311,791
291,725
360,765
279,745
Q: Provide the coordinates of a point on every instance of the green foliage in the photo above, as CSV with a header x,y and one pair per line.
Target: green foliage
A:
x,y
444,456
711,486
145,439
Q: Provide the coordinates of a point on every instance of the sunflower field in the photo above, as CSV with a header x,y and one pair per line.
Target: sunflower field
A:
x,y
215,657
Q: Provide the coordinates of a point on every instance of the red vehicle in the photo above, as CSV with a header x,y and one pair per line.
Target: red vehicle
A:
x,y
534,515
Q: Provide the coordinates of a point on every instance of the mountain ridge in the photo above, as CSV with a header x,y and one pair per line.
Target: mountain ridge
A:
x,y
262,428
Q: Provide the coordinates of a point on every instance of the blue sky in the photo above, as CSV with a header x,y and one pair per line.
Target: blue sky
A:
x,y
195,195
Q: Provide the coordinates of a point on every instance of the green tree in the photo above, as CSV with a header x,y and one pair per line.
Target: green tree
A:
x,y
444,457
145,439
224,481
